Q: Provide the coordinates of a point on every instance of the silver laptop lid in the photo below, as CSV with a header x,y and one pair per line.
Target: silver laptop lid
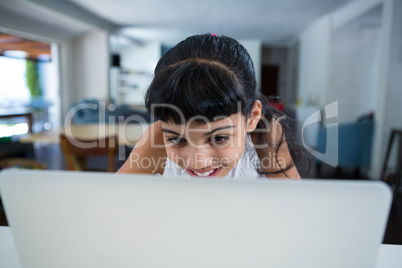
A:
x,y
73,219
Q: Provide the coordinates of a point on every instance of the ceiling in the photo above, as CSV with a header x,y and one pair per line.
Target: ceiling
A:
x,y
47,20
271,21
36,20
274,22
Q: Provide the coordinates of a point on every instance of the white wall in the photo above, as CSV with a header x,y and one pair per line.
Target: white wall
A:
x,y
89,56
314,62
66,76
353,71
292,79
52,86
254,48
388,106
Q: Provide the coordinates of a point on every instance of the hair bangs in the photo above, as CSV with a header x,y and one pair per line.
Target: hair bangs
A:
x,y
196,90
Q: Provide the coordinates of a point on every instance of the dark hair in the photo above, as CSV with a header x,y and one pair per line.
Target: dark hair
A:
x,y
209,76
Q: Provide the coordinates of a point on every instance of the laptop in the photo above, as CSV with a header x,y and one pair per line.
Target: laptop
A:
x,y
83,219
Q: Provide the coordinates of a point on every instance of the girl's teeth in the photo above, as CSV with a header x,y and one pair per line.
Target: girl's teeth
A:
x,y
205,173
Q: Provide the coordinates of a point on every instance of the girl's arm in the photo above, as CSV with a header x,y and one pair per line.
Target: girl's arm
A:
x,y
149,154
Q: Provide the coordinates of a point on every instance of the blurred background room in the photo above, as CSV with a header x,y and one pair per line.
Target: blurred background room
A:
x,y
82,67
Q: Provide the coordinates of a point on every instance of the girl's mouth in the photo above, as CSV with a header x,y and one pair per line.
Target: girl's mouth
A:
x,y
210,173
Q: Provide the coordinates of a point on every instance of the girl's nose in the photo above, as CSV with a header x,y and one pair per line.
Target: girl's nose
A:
x,y
198,159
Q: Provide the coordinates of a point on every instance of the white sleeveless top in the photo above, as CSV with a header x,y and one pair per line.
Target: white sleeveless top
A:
x,y
245,169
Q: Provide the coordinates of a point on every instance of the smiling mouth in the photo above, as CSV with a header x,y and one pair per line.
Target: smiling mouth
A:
x,y
212,172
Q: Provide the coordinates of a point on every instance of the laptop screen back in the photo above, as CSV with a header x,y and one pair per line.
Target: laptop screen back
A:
x,y
74,219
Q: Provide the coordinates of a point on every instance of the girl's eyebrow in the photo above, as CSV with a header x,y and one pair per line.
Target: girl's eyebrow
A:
x,y
170,131
206,134
217,129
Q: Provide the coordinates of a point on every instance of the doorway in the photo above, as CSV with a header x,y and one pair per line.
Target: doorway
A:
x,y
269,80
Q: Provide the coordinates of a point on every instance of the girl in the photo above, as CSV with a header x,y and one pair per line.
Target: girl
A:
x,y
212,119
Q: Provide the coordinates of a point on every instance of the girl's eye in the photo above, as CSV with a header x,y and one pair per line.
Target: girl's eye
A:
x,y
176,140
219,139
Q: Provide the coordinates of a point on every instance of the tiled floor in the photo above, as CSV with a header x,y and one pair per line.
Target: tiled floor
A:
x,y
51,155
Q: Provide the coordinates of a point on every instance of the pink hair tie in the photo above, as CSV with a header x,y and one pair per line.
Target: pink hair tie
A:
x,y
214,34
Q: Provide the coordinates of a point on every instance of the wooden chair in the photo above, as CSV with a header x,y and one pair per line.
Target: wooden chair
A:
x,y
76,151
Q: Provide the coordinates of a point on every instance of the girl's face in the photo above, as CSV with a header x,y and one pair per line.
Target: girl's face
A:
x,y
212,148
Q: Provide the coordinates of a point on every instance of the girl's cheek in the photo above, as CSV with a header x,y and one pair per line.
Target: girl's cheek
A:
x,y
172,154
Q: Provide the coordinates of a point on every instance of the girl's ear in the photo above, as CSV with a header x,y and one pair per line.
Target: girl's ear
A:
x,y
254,116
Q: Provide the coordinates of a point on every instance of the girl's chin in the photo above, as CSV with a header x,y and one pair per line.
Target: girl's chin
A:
x,y
215,173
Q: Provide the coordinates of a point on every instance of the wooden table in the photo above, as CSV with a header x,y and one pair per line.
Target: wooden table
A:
x,y
128,134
